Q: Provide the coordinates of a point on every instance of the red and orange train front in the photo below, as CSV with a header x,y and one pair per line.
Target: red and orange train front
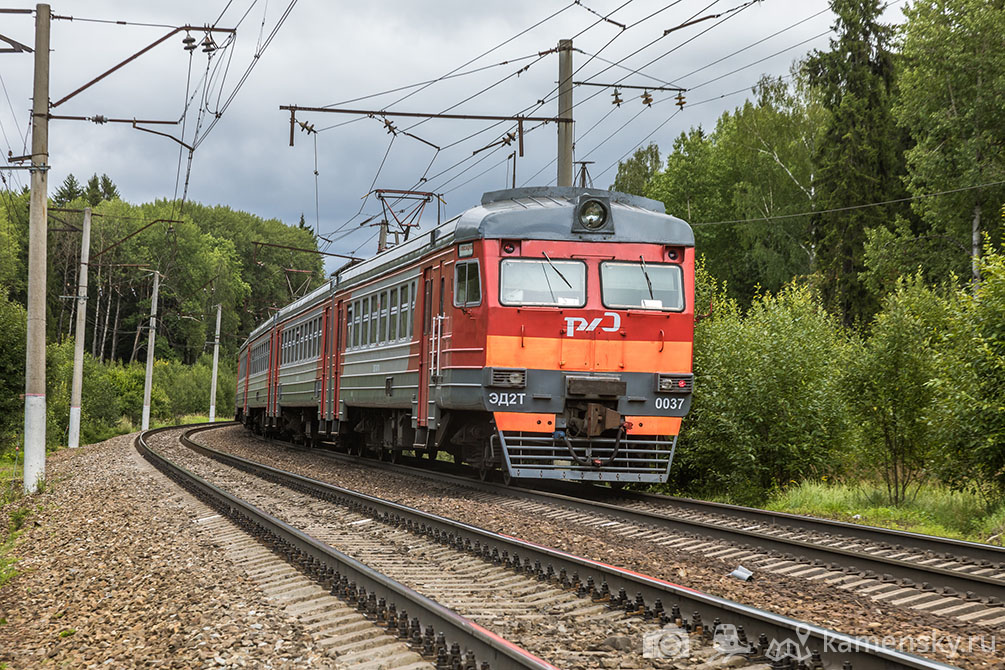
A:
x,y
587,336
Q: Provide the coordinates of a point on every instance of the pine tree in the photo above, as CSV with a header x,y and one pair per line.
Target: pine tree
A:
x,y
108,189
93,191
69,191
858,159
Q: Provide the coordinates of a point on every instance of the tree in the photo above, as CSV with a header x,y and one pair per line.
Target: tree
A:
x,y
952,91
858,159
770,142
109,191
634,174
751,174
92,192
69,191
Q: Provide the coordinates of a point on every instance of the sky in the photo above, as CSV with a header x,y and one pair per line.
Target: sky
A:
x,y
349,55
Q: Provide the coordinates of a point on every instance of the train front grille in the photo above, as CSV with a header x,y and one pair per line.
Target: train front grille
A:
x,y
537,456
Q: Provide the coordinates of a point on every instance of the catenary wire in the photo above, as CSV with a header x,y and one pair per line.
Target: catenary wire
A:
x,y
854,207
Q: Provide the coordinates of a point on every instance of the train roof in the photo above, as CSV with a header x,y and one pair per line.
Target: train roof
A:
x,y
504,215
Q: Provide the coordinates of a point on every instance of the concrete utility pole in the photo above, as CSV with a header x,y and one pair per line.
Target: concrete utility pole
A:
x,y
565,134
78,337
34,369
148,383
216,360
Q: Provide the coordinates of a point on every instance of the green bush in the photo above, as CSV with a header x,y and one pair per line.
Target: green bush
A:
x,y
765,410
887,387
112,394
13,324
187,387
100,408
972,386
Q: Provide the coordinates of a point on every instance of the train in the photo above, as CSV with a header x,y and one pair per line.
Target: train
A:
x,y
545,334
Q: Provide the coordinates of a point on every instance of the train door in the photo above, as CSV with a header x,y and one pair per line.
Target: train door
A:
x,y
430,347
334,367
247,377
322,376
275,388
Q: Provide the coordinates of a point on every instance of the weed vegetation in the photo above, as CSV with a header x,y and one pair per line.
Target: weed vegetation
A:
x,y
933,510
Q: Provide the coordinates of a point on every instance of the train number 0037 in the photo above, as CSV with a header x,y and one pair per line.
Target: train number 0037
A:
x,y
664,402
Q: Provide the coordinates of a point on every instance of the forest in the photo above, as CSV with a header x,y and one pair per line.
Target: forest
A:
x,y
206,256
849,220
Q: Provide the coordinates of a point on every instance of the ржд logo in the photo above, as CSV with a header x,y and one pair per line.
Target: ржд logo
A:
x,y
575,324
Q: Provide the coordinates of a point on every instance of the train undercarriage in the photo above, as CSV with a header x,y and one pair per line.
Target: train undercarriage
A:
x,y
590,441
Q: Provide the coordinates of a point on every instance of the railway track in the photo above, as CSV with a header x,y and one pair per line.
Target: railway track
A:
x,y
942,576
390,608
585,592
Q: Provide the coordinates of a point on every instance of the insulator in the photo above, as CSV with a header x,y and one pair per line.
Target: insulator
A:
x,y
189,42
680,100
647,98
617,98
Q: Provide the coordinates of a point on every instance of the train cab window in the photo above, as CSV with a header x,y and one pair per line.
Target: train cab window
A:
x,y
656,286
529,281
467,285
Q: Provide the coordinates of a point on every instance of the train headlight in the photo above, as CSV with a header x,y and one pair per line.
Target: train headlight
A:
x,y
592,215
675,383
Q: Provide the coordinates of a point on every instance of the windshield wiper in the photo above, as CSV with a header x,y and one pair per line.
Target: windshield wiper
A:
x,y
557,271
649,282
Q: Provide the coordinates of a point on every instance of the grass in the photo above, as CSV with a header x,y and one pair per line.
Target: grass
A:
x,y
936,510
7,563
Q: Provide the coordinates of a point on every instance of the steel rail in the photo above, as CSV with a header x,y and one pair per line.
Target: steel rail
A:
x,y
965,584
834,647
906,539
321,560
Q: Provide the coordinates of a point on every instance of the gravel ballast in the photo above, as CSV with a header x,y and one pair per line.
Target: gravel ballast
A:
x,y
114,572
801,599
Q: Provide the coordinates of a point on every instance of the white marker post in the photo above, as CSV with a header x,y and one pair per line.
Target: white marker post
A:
x,y
216,361
78,338
148,384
